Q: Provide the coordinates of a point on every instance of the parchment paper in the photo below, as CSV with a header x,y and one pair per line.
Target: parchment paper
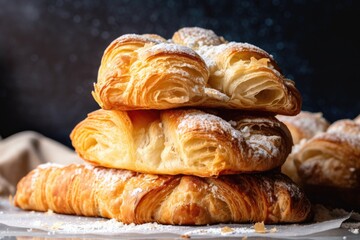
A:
x,y
32,223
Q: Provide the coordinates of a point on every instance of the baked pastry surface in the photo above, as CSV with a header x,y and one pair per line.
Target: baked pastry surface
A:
x,y
332,158
182,141
302,127
195,37
138,198
147,72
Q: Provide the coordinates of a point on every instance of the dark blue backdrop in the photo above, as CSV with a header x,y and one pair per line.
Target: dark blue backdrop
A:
x,y
50,51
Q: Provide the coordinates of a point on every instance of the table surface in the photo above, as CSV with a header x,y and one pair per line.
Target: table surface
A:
x,y
19,224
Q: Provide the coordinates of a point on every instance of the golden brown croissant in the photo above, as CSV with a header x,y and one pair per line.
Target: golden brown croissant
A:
x,y
302,127
181,142
142,72
329,166
332,158
138,198
138,72
250,77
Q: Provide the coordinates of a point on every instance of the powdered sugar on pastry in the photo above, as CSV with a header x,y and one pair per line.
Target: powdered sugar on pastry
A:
x,y
169,48
195,37
259,145
207,122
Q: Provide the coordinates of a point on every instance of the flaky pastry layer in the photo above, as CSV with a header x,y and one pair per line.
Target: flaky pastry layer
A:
x,y
138,198
331,158
302,127
147,72
182,141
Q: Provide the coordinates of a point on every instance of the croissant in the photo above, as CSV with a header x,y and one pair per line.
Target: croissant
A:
x,y
332,158
138,198
302,127
181,142
138,72
250,77
142,72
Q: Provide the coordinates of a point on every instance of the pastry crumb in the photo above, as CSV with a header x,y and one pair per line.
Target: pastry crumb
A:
x,y
49,212
260,227
226,229
57,226
185,236
273,230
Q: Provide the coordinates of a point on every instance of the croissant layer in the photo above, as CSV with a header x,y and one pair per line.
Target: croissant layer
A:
x,y
148,72
138,198
182,141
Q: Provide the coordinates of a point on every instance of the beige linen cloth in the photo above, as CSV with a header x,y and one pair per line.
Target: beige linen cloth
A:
x,y
23,151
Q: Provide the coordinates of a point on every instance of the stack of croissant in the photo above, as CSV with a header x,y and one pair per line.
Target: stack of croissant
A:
x,y
186,135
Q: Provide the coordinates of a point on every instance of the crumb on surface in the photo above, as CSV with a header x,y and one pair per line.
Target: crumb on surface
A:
x,y
226,229
185,236
49,212
260,227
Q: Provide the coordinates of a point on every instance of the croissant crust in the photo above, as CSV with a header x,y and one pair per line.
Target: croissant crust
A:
x,y
147,72
332,158
181,142
138,198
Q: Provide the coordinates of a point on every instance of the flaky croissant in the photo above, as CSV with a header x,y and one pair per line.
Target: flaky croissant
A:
x,y
250,78
142,72
302,127
138,198
332,158
181,142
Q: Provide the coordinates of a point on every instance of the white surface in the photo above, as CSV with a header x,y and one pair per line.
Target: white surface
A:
x,y
24,223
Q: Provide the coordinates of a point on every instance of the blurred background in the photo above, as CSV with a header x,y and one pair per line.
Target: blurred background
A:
x,y
50,51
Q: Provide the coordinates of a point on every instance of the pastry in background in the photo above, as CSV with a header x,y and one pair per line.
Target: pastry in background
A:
x,y
302,127
182,141
138,198
357,119
329,164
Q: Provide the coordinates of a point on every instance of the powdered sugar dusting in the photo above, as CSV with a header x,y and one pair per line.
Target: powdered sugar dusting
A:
x,y
206,122
146,38
50,165
341,131
259,146
209,53
310,123
168,48
264,146
110,177
195,37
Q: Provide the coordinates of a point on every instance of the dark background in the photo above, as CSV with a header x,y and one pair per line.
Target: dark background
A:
x,y
50,51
